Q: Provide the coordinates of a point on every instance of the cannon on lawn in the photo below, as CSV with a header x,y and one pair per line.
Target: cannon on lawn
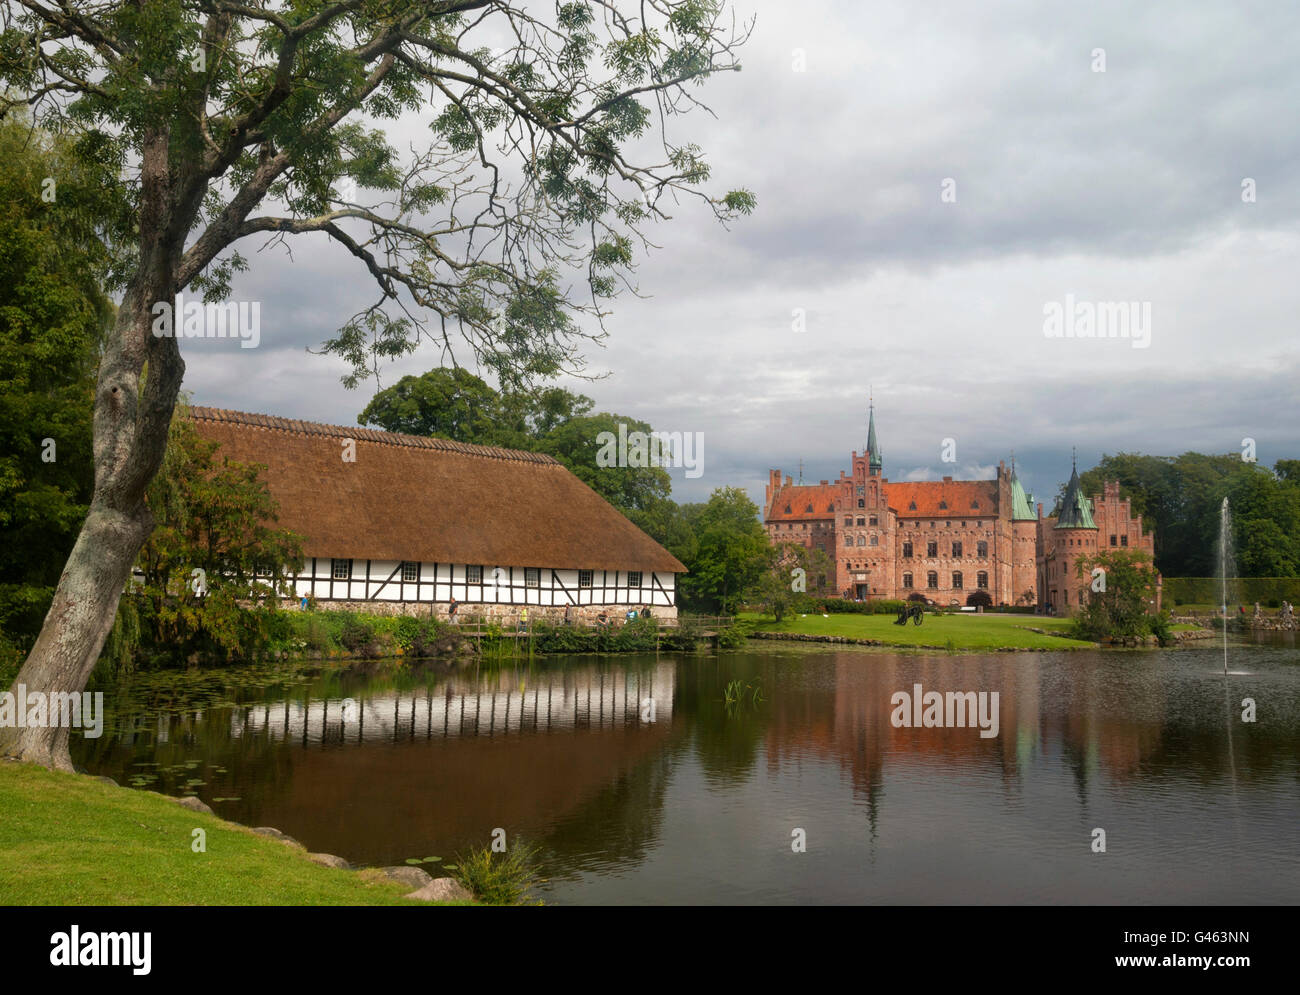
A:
x,y
911,611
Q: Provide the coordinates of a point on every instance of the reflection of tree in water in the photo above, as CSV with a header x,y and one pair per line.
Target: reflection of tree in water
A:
x,y
726,739
617,825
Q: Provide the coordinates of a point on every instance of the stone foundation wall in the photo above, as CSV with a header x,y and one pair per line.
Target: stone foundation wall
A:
x,y
578,614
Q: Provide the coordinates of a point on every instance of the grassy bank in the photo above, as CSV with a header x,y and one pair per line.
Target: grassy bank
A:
x,y
959,631
67,839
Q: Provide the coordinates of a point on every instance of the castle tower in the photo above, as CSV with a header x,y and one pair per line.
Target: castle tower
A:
x,y
1075,538
1024,541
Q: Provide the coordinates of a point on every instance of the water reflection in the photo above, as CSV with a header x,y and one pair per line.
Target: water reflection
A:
x,y
642,784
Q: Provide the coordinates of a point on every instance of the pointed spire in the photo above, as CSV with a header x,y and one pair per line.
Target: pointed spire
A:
x,y
873,447
1076,510
1021,504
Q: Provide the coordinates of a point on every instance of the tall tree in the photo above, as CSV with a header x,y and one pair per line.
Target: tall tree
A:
x,y
238,119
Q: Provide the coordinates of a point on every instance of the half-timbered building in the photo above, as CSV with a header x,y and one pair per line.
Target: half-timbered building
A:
x,y
393,522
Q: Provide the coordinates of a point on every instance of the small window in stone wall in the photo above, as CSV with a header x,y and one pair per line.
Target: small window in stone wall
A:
x,y
584,578
956,581
907,581
982,580
956,549
874,520
1112,540
907,550
533,577
981,549
1123,540
932,580
875,540
848,540
341,569
410,572
474,573
931,549
634,578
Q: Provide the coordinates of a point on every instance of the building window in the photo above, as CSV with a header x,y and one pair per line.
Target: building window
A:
x,y
474,573
584,578
533,577
874,520
1113,540
981,549
861,503
862,521
1123,540
956,580
634,578
341,569
848,520
931,549
943,505
932,581
974,504
982,580
911,506
907,582
907,550
410,572
848,540
956,550
875,540
862,540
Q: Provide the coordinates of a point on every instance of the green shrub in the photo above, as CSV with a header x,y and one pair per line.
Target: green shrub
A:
x,y
498,878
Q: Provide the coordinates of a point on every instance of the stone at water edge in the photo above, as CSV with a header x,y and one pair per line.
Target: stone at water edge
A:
x,y
329,860
194,805
413,877
275,834
442,890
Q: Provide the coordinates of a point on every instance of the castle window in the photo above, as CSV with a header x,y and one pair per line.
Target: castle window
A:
x,y
862,540
1112,540
931,549
1123,540
907,550
410,572
848,520
956,550
808,509
956,581
907,582
533,577
875,540
862,521
831,506
932,581
341,569
911,506
981,549
474,573
804,526
787,509
848,540
861,503
974,504
943,505
634,578
982,580
875,520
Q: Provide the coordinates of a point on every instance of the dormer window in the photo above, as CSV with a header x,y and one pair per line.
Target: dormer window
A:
x,y
788,509
808,510
943,505
974,504
911,506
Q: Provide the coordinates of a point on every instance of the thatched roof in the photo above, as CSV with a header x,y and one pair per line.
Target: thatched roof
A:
x,y
413,498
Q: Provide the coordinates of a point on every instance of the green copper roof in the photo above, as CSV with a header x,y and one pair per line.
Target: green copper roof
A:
x,y
1076,510
873,448
1021,506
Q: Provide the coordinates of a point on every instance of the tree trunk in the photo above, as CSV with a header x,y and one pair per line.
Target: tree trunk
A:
x,y
130,439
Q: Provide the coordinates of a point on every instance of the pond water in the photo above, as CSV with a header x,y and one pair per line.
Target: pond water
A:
x,y
640,784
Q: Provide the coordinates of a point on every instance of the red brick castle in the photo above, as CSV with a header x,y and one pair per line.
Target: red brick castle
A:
x,y
950,541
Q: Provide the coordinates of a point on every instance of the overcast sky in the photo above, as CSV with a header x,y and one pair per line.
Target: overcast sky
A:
x,y
1117,186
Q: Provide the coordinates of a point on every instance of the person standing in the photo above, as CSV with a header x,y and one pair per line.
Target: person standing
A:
x,y
451,610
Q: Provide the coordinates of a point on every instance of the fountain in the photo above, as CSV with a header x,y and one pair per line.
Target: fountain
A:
x,y
1226,568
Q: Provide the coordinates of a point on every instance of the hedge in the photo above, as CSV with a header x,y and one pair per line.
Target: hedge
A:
x,y
1270,591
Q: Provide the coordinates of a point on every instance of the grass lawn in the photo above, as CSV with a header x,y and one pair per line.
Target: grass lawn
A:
x,y
66,839
966,631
